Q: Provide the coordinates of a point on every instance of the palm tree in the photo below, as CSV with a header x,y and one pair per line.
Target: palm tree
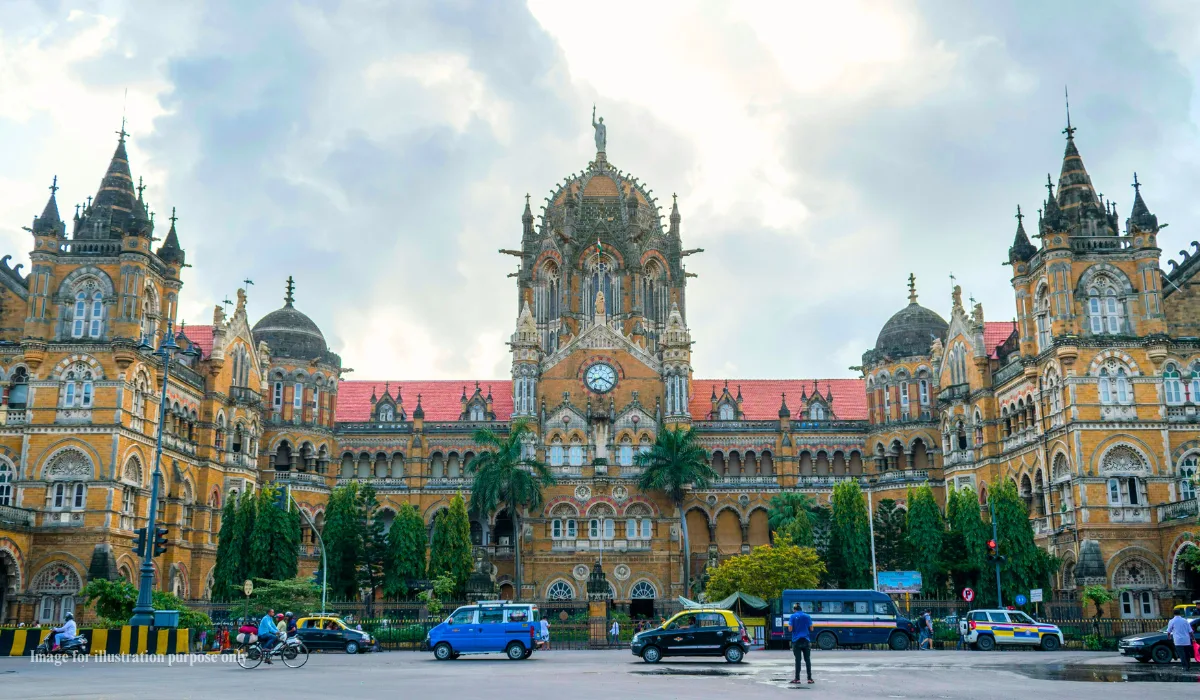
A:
x,y
506,479
672,465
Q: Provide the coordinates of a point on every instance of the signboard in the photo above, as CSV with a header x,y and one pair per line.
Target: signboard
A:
x,y
968,594
1035,596
1021,599
248,587
899,582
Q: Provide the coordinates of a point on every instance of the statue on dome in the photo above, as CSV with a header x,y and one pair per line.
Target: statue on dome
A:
x,y
601,131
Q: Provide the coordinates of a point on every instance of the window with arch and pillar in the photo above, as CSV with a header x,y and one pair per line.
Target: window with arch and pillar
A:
x,y
1105,308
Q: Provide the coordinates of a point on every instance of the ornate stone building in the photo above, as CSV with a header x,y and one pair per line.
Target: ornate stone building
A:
x,y
1087,401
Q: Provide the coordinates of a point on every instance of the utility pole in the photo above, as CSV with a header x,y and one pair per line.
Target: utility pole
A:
x,y
871,527
996,558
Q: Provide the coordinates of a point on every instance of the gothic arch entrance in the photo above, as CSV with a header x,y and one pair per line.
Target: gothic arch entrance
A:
x,y
9,576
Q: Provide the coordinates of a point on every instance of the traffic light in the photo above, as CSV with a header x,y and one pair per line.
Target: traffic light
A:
x,y
139,542
281,498
991,550
160,540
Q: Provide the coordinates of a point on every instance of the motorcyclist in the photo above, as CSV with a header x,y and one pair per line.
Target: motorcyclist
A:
x,y
291,623
67,631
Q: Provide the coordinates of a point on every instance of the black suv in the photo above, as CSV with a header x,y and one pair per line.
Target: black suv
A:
x,y
704,632
1153,646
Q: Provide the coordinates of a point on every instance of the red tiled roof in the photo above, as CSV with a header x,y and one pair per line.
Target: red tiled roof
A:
x,y
994,335
201,337
440,400
761,397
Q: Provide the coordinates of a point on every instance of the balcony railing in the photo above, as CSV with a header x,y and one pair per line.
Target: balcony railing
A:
x,y
959,457
17,517
242,394
17,416
1129,514
1118,412
743,481
904,475
91,247
300,478
448,482
1180,510
1087,244
822,481
496,551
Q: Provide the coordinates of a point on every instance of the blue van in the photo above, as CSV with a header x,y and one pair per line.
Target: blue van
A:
x,y
844,618
486,628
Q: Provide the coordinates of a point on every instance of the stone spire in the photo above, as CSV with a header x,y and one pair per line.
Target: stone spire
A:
x,y
1140,218
912,289
674,230
527,219
1021,250
1077,198
171,252
115,210
784,411
50,222
289,296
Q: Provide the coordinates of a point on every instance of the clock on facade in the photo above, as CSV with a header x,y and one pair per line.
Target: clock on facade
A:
x,y
600,377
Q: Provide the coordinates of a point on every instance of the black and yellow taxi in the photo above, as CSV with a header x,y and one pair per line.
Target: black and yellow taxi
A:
x,y
696,632
331,633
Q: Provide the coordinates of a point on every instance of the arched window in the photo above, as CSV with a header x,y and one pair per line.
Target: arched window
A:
x,y
726,412
1187,478
643,590
560,590
644,445
924,389
1106,389
817,412
1042,308
1172,385
476,413
6,477
87,317
19,393
903,398
277,395
1106,313
1124,390
386,413
297,396
576,453
556,452
625,452
1194,385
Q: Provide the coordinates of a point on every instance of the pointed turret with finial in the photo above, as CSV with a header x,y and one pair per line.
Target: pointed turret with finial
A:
x,y
170,252
1021,250
50,223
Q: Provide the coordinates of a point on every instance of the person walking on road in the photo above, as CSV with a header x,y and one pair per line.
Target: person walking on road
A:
x,y
926,631
614,634
801,625
1182,636
545,634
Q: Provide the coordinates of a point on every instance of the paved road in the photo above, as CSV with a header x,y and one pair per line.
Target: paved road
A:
x,y
610,675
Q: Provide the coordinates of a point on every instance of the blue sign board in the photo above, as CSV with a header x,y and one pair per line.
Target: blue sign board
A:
x,y
1021,599
899,582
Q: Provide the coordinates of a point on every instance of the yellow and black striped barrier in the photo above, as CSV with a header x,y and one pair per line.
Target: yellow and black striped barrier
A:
x,y
124,640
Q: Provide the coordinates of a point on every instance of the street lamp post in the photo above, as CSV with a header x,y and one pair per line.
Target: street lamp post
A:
x,y
143,611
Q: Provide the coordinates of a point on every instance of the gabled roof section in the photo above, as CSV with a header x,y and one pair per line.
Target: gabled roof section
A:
x,y
994,335
761,397
441,400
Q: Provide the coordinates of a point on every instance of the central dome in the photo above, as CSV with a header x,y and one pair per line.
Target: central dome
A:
x,y
911,331
289,333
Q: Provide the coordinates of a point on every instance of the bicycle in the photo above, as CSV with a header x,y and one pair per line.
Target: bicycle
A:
x,y
291,651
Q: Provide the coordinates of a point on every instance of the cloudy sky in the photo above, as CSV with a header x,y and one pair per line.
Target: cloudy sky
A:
x,y
380,151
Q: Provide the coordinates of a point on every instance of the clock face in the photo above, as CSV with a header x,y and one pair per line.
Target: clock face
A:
x,y
600,377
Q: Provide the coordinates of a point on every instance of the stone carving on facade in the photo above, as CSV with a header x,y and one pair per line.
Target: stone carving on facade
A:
x,y
69,464
1123,459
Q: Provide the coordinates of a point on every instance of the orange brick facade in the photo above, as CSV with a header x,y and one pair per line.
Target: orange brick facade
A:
x,y
1086,402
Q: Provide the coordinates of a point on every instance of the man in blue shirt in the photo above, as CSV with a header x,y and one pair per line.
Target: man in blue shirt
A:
x,y
267,634
801,625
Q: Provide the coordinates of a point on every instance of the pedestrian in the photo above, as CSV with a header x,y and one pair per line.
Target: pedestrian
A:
x,y
801,626
545,634
926,631
614,633
1182,636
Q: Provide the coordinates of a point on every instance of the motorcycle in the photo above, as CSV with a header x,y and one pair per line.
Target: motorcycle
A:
x,y
71,646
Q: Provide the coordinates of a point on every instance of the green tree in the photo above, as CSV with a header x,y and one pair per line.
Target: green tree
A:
x,y
405,552
766,571
926,528
1025,565
672,465
374,544
849,537
964,552
787,515
231,543
450,551
891,537
274,539
507,478
822,526
343,541
114,600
